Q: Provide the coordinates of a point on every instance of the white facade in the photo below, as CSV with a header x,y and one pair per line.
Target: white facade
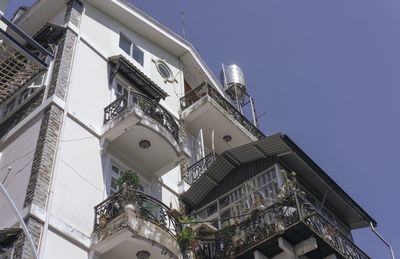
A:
x,y
86,148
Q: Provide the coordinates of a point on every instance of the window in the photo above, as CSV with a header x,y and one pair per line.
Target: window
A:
x,y
115,173
120,90
131,49
164,70
260,190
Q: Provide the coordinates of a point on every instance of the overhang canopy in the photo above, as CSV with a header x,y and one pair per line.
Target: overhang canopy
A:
x,y
119,64
49,34
291,156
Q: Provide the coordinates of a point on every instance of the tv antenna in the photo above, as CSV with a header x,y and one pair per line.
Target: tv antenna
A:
x,y
183,24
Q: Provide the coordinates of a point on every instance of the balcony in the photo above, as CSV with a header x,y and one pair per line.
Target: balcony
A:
x,y
21,59
197,169
131,221
205,108
136,125
292,219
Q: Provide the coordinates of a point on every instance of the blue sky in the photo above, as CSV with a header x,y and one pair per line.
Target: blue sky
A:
x,y
324,72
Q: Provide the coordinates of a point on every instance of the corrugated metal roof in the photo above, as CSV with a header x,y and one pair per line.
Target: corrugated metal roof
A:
x,y
292,156
129,70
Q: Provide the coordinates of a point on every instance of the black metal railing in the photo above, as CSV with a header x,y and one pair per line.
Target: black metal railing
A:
x,y
194,172
24,42
256,227
150,107
327,231
206,90
262,225
144,206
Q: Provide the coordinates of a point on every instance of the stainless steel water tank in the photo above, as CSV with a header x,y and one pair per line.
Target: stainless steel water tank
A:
x,y
232,77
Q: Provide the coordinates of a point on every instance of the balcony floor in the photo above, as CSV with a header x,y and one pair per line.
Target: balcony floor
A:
x,y
207,115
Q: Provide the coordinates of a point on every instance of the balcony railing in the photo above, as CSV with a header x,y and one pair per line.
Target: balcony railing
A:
x,y
194,172
145,207
149,107
206,90
262,225
21,59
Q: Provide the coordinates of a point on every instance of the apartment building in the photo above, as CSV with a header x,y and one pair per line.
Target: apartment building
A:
x,y
90,89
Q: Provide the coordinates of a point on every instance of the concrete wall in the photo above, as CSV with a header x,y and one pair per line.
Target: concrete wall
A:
x,y
90,91
57,247
79,181
17,152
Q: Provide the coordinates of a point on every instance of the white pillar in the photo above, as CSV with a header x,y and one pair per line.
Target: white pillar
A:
x,y
286,246
259,255
331,256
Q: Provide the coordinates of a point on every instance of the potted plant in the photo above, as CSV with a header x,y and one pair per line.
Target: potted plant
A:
x,y
103,219
186,238
128,178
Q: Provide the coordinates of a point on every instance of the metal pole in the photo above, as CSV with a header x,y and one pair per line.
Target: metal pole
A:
x,y
253,111
21,221
383,240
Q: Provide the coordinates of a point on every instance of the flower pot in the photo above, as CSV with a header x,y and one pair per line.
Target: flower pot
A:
x,y
103,221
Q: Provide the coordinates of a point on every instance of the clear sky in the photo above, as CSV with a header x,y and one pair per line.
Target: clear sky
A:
x,y
324,72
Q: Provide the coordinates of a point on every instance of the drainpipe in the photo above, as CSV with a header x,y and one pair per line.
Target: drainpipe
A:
x,y
383,240
20,219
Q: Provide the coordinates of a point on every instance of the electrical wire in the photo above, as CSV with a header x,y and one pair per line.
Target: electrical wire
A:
x,y
15,174
77,173
26,154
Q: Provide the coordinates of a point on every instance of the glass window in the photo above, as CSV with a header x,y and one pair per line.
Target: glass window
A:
x,y
137,54
260,190
125,44
131,49
164,70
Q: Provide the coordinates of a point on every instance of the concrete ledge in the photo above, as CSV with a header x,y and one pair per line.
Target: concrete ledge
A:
x,y
108,237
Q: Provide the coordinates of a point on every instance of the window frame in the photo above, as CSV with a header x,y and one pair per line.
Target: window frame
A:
x,y
133,49
243,197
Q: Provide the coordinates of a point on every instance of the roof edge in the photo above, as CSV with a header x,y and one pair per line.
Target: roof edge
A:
x,y
327,179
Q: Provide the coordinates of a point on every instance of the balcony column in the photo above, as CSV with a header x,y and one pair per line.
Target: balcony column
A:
x,y
287,248
331,256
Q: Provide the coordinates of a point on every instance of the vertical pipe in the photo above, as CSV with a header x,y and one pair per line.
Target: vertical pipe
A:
x,y
383,240
21,221
253,111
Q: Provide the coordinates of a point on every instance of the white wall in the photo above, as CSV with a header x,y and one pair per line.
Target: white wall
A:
x,y
57,247
80,180
171,179
102,33
17,153
89,90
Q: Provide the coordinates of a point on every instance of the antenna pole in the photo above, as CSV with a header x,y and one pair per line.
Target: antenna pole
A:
x,y
253,111
183,24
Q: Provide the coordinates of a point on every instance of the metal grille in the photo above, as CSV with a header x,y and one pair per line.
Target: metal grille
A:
x,y
147,105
